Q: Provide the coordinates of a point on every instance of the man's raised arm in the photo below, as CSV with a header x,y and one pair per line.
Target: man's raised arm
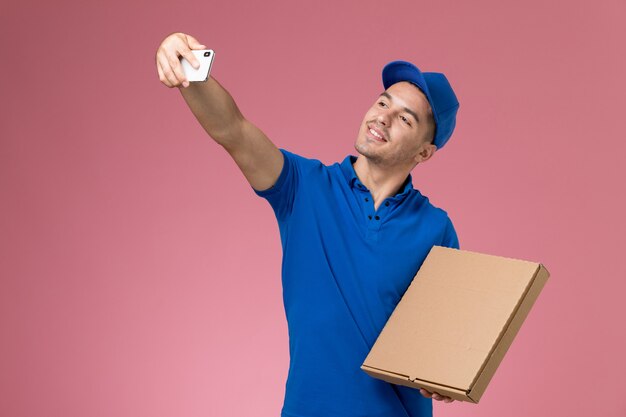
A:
x,y
258,158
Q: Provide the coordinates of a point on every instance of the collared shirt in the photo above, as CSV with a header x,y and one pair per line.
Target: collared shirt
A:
x,y
345,267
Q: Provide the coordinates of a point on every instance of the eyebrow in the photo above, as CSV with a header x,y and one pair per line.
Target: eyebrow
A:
x,y
406,109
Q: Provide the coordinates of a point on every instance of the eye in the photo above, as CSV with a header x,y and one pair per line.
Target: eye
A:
x,y
382,104
405,120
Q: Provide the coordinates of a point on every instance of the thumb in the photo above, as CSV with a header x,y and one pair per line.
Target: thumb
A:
x,y
193,43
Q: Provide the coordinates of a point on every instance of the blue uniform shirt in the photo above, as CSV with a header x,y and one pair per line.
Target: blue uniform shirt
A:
x,y
345,267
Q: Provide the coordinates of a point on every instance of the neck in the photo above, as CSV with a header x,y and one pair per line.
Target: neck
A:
x,y
382,182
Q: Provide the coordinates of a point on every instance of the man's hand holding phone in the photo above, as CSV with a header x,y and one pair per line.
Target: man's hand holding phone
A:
x,y
194,66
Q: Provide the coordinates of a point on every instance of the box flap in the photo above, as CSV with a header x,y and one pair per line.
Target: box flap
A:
x,y
417,383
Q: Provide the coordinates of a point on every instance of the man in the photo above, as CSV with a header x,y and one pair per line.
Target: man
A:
x,y
353,234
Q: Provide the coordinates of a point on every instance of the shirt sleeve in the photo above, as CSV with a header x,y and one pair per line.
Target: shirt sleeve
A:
x,y
450,239
282,194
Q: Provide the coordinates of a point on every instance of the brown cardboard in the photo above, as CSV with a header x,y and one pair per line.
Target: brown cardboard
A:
x,y
455,322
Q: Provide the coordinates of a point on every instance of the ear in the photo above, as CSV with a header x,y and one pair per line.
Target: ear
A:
x,y
427,151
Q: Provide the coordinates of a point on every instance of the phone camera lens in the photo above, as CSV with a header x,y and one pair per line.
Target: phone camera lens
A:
x,y
207,54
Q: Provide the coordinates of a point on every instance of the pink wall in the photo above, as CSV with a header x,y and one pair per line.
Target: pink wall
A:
x,y
140,274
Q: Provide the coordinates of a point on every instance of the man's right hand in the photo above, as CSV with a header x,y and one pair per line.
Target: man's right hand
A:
x,y
257,157
168,62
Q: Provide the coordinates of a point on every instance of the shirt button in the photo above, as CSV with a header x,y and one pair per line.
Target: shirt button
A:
x,y
367,199
377,218
369,217
387,203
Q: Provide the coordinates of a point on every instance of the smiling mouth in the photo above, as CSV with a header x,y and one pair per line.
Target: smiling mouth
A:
x,y
378,136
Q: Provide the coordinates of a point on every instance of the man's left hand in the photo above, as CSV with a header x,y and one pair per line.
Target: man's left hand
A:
x,y
435,396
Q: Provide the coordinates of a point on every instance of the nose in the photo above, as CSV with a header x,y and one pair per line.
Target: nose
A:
x,y
383,118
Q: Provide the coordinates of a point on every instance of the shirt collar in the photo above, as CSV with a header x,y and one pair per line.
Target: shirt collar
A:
x,y
350,175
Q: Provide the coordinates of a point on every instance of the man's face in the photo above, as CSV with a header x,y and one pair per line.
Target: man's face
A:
x,y
397,129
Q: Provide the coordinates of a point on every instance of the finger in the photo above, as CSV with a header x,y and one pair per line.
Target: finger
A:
x,y
168,72
189,56
193,43
425,393
162,77
177,67
437,396
447,400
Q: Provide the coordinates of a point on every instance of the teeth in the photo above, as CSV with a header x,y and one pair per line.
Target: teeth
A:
x,y
373,132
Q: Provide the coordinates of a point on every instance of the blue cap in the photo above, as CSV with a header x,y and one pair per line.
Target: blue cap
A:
x,y
437,90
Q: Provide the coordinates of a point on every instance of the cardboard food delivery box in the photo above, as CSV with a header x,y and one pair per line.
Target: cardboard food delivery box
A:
x,y
452,327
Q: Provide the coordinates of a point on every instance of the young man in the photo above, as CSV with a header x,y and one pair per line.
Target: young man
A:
x,y
353,234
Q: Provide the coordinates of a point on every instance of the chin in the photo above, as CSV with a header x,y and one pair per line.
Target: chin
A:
x,y
360,148
365,152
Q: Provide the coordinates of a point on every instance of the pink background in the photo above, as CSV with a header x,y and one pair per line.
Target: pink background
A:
x,y
139,272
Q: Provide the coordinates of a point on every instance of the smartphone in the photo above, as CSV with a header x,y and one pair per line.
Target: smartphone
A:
x,y
205,58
